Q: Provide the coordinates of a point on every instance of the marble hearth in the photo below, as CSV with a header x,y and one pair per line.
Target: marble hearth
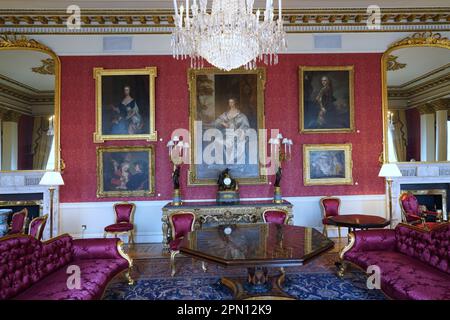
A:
x,y
428,175
23,182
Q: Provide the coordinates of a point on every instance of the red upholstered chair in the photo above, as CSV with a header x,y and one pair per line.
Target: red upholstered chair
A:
x,y
37,226
413,212
124,212
18,222
275,216
330,208
181,224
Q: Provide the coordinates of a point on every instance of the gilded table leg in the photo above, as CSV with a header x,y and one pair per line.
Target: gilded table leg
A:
x,y
257,285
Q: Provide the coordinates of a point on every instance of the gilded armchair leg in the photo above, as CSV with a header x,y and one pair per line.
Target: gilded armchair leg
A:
x,y
172,262
131,237
339,232
204,266
325,231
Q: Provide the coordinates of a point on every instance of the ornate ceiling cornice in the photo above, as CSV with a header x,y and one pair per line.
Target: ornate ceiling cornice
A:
x,y
160,21
408,93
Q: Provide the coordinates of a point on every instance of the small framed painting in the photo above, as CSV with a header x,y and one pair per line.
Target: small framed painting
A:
x,y
125,171
327,164
125,104
326,99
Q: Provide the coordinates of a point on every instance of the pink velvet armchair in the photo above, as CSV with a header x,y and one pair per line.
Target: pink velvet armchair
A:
x,y
18,222
124,213
330,208
275,216
413,212
181,224
37,226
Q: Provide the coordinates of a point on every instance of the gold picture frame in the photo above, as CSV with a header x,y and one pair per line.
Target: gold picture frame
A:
x,y
137,181
147,117
327,164
258,118
342,120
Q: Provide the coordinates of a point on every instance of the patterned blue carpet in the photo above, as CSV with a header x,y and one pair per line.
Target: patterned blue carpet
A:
x,y
303,286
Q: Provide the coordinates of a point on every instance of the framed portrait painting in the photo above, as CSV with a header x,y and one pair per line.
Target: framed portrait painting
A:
x,y
326,99
226,115
125,171
327,164
125,104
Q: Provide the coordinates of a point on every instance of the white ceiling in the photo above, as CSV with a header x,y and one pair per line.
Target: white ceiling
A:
x,y
149,4
419,61
17,64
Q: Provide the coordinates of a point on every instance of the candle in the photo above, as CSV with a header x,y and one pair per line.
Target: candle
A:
x,y
279,10
187,13
175,7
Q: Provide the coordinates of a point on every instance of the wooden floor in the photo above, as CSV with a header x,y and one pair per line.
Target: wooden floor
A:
x,y
142,251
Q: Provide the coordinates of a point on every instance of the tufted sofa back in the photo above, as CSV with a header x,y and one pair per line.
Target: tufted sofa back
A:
x,y
431,247
24,261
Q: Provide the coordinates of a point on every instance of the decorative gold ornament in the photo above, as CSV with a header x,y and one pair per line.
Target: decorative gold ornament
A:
x,y
393,64
48,67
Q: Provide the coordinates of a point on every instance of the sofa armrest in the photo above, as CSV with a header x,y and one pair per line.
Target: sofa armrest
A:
x,y
99,249
370,240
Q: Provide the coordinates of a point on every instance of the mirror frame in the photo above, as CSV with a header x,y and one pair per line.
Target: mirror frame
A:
x,y
13,42
419,39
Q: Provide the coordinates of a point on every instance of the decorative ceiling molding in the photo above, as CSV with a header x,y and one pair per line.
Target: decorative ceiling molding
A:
x,y
47,67
160,21
393,64
408,93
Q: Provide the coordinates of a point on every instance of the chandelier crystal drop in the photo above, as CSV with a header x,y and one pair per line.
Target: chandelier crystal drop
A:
x,y
230,36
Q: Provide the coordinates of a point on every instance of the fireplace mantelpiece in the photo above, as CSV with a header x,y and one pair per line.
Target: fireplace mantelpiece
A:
x,y
26,182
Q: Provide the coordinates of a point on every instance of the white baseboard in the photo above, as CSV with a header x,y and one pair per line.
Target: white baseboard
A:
x,y
96,215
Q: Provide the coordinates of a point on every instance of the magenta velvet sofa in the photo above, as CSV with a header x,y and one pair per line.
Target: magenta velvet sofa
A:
x,y
35,270
414,263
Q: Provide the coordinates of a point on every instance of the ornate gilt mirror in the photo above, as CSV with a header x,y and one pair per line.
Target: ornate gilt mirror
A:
x,y
29,105
416,99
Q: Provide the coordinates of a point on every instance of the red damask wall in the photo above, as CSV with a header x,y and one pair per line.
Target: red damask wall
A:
x,y
281,111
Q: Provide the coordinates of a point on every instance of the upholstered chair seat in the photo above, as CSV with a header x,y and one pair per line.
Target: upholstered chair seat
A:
x,y
124,214
119,227
330,208
275,216
18,222
37,226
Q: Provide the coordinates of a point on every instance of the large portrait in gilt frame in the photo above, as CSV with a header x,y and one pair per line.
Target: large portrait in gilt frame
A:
x,y
226,115
327,164
326,99
125,171
125,104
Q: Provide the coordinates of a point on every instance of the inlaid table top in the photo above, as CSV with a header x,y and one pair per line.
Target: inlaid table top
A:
x,y
259,244
359,221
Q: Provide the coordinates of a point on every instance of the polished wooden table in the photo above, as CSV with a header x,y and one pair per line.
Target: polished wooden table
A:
x,y
256,247
359,221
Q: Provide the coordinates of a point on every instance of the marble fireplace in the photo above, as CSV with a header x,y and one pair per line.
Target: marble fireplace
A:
x,y
430,179
22,189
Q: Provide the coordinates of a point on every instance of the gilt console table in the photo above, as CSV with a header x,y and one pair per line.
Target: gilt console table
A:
x,y
212,214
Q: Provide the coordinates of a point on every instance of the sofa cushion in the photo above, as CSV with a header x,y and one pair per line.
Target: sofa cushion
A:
x,y
431,247
404,277
19,260
95,275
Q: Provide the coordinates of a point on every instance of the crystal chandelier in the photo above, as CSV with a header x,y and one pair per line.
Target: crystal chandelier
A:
x,y
229,37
